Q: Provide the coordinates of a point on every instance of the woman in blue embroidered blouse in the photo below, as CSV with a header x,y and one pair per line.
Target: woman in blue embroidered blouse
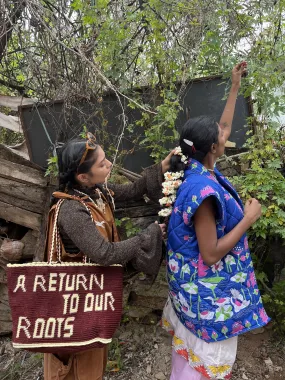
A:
x,y
213,293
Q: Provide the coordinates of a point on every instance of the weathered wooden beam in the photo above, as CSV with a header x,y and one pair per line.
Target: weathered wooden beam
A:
x,y
14,102
27,191
139,211
5,312
19,216
19,190
10,154
30,242
40,246
21,173
24,204
10,122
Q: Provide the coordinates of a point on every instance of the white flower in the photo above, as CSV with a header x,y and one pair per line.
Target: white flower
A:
x,y
169,188
169,176
178,151
167,200
165,212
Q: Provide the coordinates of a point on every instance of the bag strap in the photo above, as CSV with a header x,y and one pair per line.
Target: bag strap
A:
x,y
56,239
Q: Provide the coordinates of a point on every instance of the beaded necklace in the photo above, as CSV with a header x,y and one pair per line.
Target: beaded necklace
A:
x,y
100,204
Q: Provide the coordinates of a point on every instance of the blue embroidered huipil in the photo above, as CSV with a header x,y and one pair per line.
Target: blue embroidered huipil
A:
x,y
221,301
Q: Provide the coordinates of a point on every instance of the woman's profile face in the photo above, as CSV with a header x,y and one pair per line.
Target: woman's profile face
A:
x,y
100,169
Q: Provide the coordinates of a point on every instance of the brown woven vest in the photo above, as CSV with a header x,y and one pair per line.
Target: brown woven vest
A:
x,y
109,232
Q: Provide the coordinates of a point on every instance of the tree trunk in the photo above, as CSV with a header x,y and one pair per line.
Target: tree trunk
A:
x,y
8,24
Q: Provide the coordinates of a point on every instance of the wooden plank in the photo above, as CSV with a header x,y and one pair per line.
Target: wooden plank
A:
x,y
14,102
11,154
21,173
20,216
136,212
5,312
24,204
10,122
22,191
30,240
40,247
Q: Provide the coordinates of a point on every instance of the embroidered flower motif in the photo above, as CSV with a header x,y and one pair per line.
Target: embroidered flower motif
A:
x,y
184,269
204,334
185,218
202,268
229,260
214,335
245,243
190,325
207,191
224,312
173,265
238,300
263,315
207,315
218,267
185,307
237,327
247,324
227,197
239,277
252,279
225,330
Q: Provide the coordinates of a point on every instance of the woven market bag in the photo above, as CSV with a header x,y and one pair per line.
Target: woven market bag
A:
x,y
62,307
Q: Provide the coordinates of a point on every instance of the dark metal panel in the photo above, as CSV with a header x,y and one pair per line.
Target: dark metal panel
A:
x,y
63,122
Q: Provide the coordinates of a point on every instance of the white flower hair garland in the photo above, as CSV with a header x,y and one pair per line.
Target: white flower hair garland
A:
x,y
170,185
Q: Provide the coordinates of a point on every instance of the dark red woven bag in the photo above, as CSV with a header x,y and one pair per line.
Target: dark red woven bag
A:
x,y
64,307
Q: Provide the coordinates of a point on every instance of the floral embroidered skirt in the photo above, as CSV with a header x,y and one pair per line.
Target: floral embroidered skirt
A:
x,y
213,360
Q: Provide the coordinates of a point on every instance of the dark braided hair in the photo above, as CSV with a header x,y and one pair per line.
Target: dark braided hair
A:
x,y
203,131
69,156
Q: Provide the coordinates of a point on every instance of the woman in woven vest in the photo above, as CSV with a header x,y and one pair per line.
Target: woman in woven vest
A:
x,y
83,170
213,295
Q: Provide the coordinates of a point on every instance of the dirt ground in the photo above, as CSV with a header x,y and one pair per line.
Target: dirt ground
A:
x,y
143,352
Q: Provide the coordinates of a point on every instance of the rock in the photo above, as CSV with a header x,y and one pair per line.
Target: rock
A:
x,y
260,330
268,362
148,369
160,376
156,346
125,335
269,365
2,350
244,376
278,369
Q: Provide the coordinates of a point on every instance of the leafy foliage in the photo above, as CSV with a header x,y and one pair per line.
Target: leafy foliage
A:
x,y
264,181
